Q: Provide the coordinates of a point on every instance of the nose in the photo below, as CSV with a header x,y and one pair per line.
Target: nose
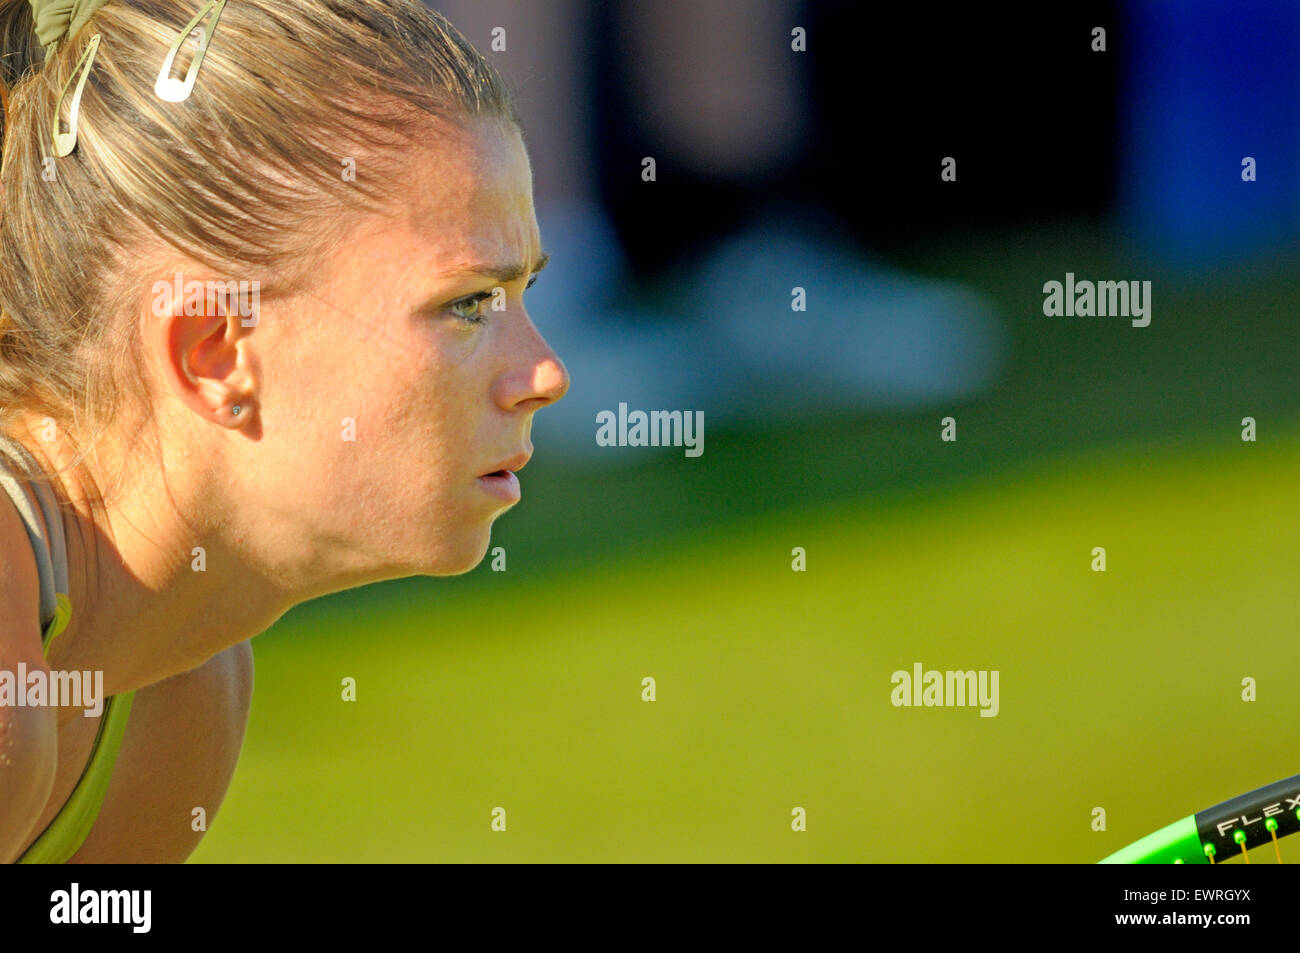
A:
x,y
551,376
541,377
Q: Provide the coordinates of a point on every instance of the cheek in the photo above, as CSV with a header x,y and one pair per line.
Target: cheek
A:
x,y
427,416
394,386
411,394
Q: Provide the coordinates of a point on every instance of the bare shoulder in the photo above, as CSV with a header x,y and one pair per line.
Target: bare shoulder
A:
x,y
224,681
178,757
210,702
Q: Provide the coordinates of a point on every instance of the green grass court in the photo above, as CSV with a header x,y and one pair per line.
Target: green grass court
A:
x,y
1119,690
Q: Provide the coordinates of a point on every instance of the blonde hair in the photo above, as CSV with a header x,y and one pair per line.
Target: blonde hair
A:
x,y
245,174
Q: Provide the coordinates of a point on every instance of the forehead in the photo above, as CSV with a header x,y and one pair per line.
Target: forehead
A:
x,y
471,196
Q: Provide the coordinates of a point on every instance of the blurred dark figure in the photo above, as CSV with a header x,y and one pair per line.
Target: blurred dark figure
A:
x,y
775,170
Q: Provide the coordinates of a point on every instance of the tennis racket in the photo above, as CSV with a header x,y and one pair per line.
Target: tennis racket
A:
x,y
1212,836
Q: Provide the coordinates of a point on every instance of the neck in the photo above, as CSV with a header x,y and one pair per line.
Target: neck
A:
x,y
158,581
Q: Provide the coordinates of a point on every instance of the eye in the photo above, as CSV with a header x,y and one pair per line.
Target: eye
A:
x,y
472,304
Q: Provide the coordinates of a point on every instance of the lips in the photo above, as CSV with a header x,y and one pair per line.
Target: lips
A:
x,y
512,465
503,484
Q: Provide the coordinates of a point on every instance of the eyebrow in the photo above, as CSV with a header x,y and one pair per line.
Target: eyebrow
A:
x,y
502,273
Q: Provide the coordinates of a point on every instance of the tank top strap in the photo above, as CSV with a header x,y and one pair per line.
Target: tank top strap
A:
x,y
22,479
19,473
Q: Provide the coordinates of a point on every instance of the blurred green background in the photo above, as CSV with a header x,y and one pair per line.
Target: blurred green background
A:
x,y
1119,690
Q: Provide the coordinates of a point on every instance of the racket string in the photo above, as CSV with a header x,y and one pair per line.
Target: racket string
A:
x,y
1240,838
1272,829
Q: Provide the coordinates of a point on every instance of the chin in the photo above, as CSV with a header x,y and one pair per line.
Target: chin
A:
x,y
461,558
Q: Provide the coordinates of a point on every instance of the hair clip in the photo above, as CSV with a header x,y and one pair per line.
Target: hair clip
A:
x,y
173,90
65,142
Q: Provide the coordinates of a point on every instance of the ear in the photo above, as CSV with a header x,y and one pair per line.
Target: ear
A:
x,y
201,342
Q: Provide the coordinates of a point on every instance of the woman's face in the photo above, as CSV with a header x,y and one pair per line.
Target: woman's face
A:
x,y
384,396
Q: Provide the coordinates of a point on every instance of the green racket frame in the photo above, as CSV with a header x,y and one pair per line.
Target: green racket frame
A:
x,y
1218,833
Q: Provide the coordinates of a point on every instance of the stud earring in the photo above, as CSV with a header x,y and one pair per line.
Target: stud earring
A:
x,y
235,410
